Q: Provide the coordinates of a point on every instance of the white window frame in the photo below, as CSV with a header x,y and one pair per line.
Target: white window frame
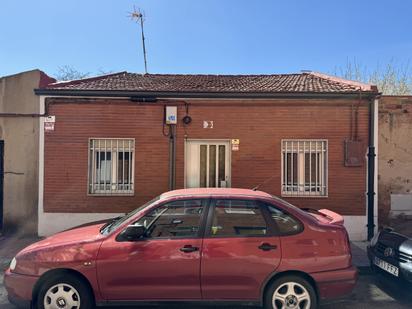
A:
x,y
115,146
318,188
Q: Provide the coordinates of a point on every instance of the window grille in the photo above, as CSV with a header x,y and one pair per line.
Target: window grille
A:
x,y
304,167
111,166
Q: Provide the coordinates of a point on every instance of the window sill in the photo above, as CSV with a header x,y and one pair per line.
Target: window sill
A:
x,y
284,194
112,194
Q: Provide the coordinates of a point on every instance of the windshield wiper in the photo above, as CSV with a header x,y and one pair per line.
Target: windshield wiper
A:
x,y
109,223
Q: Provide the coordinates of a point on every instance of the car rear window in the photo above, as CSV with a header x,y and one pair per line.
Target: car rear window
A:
x,y
286,224
237,218
300,211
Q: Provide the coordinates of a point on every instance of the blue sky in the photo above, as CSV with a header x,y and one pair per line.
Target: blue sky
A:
x,y
213,36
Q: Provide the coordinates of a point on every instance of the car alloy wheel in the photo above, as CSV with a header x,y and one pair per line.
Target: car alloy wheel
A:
x,y
62,296
291,295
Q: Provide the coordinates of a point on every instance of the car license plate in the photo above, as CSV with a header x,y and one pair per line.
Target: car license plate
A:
x,y
386,266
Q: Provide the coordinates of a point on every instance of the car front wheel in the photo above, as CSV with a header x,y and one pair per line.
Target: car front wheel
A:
x,y
64,292
290,292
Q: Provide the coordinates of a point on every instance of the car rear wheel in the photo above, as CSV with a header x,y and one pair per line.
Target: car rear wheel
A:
x,y
64,292
290,292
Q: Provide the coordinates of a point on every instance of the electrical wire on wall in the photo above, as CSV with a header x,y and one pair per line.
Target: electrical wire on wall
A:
x,y
354,152
356,137
166,134
354,119
164,124
171,133
186,120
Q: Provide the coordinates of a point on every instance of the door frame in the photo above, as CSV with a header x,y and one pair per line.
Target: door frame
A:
x,y
112,240
206,140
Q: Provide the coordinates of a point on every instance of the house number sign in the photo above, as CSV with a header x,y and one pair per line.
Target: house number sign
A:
x,y
207,124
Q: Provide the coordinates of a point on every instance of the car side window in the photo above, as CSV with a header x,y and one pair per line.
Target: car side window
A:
x,y
286,224
232,217
174,219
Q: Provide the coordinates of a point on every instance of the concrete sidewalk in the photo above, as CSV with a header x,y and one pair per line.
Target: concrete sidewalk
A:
x,y
359,253
360,256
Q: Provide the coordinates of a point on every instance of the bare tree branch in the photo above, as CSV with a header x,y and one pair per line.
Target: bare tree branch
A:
x,y
66,73
391,79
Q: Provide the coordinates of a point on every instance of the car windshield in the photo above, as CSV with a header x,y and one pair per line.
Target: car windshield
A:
x,y
116,222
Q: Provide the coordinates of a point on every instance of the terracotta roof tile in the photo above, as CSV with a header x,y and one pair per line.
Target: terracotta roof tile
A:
x,y
306,82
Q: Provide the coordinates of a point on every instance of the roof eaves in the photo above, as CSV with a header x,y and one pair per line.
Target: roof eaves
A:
x,y
82,80
361,86
199,95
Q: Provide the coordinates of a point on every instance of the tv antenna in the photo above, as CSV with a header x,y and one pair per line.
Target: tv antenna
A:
x,y
138,16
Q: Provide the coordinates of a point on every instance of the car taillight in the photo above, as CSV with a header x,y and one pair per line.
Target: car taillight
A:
x,y
347,244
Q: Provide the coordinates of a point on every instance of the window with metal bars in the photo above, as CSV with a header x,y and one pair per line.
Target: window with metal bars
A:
x,y
304,167
111,166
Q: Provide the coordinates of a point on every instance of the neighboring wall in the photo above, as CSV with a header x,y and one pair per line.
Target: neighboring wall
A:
x,y
20,136
395,155
260,126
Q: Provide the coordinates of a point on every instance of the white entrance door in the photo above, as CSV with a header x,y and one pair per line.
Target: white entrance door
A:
x,y
207,164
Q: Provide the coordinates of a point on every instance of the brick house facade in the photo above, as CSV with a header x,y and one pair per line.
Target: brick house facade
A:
x,y
285,132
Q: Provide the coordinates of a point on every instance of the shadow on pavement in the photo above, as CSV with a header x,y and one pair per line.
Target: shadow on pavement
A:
x,y
372,291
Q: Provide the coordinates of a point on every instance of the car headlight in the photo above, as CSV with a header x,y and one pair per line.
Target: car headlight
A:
x,y
13,264
374,239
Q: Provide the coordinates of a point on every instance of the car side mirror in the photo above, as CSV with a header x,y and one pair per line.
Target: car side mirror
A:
x,y
131,233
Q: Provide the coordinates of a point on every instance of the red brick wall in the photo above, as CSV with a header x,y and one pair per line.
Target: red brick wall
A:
x,y
260,126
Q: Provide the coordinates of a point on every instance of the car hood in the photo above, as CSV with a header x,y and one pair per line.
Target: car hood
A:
x,y
396,240
69,249
76,236
406,246
401,226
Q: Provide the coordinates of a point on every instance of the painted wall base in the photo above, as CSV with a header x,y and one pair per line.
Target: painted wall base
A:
x,y
51,223
356,227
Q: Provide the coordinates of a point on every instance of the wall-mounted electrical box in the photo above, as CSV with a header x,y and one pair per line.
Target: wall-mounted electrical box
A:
x,y
355,152
171,115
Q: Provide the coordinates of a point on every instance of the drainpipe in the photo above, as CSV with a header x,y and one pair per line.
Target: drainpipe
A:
x,y
172,157
371,168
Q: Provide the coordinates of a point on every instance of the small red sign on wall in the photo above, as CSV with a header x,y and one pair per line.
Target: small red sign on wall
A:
x,y
48,126
49,123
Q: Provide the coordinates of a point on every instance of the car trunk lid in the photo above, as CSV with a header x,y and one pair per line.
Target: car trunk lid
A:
x,y
326,216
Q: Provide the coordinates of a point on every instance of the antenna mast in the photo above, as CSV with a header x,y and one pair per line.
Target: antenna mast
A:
x,y
138,16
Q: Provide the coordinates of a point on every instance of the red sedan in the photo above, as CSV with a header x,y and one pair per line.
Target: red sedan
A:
x,y
193,245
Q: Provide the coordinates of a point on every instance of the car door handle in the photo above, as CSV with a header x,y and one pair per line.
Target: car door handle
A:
x,y
189,248
266,247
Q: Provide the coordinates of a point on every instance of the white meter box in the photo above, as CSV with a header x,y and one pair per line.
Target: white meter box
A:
x,y
171,114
